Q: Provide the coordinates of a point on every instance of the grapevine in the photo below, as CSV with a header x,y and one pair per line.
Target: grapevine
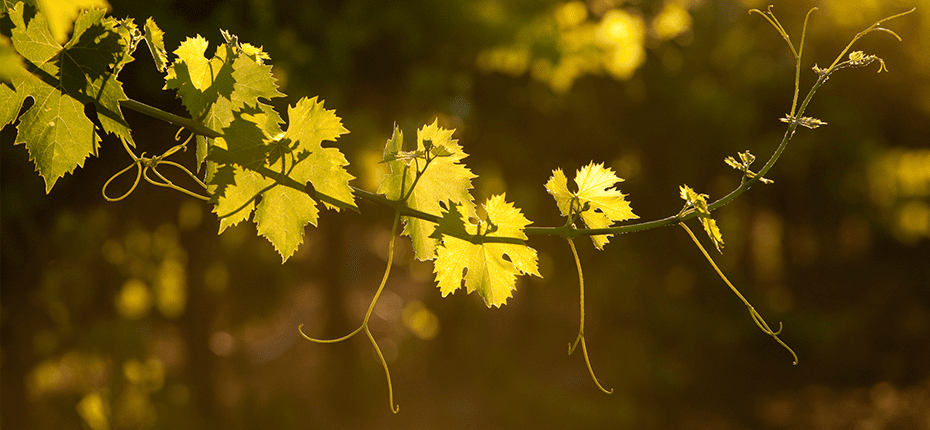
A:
x,y
253,165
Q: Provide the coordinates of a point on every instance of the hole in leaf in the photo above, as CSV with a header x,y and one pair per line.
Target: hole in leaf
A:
x,y
506,258
442,204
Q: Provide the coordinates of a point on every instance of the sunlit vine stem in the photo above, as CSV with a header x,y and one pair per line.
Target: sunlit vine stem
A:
x,y
580,338
569,231
364,325
170,118
752,311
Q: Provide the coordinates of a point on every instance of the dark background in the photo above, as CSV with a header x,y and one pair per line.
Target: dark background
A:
x,y
837,248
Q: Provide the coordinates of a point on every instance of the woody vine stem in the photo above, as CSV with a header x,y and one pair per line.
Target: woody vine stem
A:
x,y
696,205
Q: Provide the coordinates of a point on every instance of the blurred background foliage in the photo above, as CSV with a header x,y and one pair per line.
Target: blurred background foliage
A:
x,y
138,315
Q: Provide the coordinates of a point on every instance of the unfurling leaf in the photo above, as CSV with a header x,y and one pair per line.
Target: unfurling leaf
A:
x,y
597,201
434,173
806,121
699,203
490,268
746,159
155,39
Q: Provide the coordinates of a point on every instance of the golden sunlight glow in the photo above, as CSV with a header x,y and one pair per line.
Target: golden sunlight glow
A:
x,y
621,35
899,183
422,322
570,42
93,409
671,21
571,14
134,300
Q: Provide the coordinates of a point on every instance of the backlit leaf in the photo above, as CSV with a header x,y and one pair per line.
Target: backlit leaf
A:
x,y
55,130
155,39
490,268
258,167
212,89
699,203
597,202
445,179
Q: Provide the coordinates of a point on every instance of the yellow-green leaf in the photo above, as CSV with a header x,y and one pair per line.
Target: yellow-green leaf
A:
x,y
699,203
597,202
155,39
490,268
445,179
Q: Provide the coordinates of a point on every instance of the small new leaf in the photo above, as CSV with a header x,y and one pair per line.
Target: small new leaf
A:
x,y
597,202
490,268
860,59
699,203
806,121
746,159
155,39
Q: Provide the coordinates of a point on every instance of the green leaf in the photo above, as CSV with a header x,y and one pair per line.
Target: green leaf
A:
x,y
281,217
241,156
57,134
212,89
699,203
490,268
258,167
155,39
324,168
55,130
91,61
240,190
10,102
597,202
442,179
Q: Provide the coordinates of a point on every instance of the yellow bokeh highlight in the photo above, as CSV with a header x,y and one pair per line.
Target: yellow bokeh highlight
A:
x,y
190,214
914,220
73,372
134,300
134,409
571,14
95,412
570,42
899,183
671,21
510,60
171,288
622,36
148,375
422,322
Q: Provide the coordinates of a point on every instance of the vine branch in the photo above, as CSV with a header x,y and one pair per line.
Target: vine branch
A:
x,y
569,231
